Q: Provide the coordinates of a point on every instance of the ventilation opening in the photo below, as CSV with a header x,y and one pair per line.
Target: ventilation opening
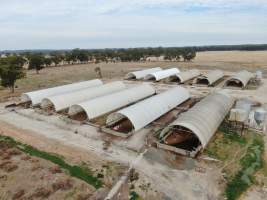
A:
x,y
202,81
182,138
123,125
175,79
131,77
234,83
151,78
80,116
47,105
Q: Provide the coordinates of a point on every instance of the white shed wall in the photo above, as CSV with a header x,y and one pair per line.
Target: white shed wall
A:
x,y
36,96
66,100
159,75
148,110
142,73
102,105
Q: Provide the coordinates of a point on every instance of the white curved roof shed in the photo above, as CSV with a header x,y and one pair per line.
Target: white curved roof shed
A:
x,y
159,75
210,77
203,119
141,74
240,79
102,105
148,110
185,76
36,97
63,101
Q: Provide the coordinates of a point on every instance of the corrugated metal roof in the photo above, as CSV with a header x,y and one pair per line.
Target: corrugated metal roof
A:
x,y
159,75
36,96
211,77
185,76
108,103
148,110
63,101
142,73
204,118
243,77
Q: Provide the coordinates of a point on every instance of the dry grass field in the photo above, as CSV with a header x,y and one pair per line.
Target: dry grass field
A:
x,y
226,60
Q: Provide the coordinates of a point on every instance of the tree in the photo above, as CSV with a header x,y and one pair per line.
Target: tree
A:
x,y
47,61
11,70
36,61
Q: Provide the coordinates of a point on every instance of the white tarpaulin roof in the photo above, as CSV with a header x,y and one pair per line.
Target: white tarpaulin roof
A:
x,y
211,77
148,110
242,76
204,118
36,96
186,76
142,73
63,101
159,75
102,105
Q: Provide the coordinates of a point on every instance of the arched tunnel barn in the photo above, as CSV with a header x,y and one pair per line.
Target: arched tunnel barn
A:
x,y
184,76
240,79
210,78
196,126
64,101
137,116
142,73
36,97
102,105
159,75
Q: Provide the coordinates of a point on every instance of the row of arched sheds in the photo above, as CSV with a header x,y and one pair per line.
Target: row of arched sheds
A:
x,y
128,109
239,79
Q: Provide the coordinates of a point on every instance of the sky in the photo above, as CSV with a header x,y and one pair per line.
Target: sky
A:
x,y
67,24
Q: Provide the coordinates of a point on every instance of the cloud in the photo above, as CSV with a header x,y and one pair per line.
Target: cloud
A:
x,y
121,23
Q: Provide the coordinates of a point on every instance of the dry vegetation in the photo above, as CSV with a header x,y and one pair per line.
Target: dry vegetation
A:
x,y
228,60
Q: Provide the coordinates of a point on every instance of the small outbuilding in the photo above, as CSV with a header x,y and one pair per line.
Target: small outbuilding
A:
x,y
182,77
137,116
142,73
36,97
240,79
159,75
64,101
210,78
193,129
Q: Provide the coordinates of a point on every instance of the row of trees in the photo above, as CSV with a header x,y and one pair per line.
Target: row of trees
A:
x,y
11,67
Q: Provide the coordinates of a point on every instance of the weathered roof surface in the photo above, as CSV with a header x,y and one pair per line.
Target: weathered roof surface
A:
x,y
102,105
36,96
148,110
63,101
142,73
242,76
211,76
159,75
186,75
204,118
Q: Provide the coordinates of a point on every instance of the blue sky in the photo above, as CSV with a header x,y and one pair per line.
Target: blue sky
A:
x,y
57,24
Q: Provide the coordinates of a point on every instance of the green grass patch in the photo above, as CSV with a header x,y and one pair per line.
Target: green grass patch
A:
x,y
76,171
250,164
134,196
241,158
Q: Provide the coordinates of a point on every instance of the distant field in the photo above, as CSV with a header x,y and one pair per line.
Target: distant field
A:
x,y
226,60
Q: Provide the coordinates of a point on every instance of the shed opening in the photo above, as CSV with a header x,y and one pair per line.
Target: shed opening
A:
x,y
47,105
78,113
182,138
175,79
234,83
202,81
121,124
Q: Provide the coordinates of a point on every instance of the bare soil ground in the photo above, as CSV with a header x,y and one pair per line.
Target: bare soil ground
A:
x,y
158,179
